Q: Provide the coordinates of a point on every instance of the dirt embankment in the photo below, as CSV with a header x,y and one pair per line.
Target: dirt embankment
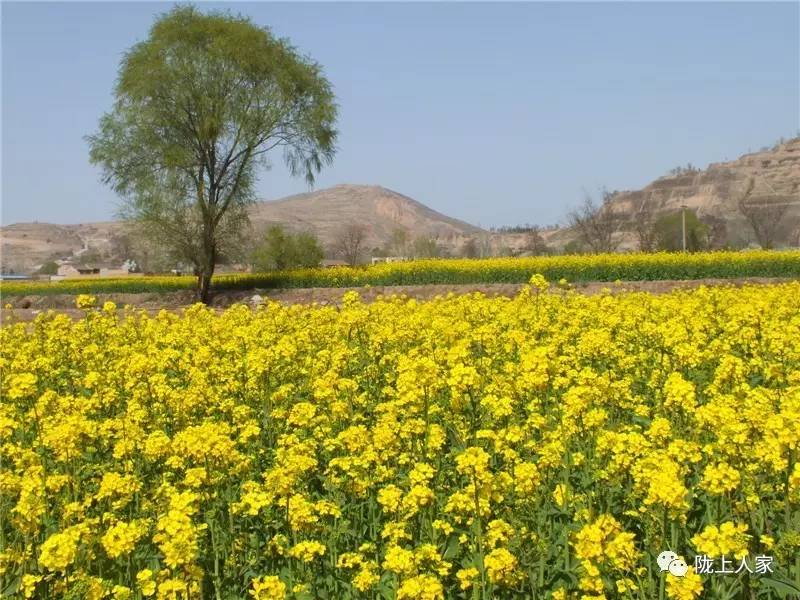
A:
x,y
25,308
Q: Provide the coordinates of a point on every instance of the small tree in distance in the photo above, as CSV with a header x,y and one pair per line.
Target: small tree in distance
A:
x,y
669,232
281,250
764,213
470,248
534,242
398,243
48,268
350,242
426,247
199,107
644,225
595,223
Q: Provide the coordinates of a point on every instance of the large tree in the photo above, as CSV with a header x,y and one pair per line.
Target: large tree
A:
x,y
200,106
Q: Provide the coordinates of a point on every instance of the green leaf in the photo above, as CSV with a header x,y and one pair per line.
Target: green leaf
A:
x,y
783,588
453,548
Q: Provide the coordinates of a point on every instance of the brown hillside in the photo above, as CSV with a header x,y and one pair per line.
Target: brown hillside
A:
x,y
324,212
714,192
380,210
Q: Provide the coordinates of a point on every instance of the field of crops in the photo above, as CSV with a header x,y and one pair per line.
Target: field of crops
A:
x,y
573,268
543,446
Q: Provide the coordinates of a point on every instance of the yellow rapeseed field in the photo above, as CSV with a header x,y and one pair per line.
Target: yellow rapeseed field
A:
x,y
638,266
545,446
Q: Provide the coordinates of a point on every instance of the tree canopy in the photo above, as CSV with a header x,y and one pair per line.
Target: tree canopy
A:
x,y
669,232
200,106
281,249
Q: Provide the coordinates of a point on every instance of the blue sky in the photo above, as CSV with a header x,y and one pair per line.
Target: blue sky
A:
x,y
492,113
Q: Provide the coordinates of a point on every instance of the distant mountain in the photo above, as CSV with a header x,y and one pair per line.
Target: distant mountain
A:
x,y
380,210
324,212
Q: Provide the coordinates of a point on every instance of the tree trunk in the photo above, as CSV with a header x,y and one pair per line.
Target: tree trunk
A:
x,y
204,284
204,273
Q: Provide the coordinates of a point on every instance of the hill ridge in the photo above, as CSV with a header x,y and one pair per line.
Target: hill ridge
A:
x,y
324,212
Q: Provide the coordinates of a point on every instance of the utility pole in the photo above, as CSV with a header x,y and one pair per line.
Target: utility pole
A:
x,y
683,225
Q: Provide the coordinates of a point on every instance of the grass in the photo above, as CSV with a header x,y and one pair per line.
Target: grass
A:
x,y
573,268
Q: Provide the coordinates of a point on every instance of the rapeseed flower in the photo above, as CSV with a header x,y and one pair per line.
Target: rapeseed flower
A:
x,y
458,446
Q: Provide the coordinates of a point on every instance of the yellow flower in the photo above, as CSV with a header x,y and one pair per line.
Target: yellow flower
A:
x,y
498,532
526,478
560,495
268,587
687,587
121,592
794,482
501,567
122,537
307,551
720,478
174,589
390,498
679,394
178,537
473,461
145,579
467,577
60,549
367,577
29,584
85,301
538,282
421,587
729,538
399,560
626,585
117,487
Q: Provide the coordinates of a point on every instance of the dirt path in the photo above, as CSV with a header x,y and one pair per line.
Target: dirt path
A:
x,y
25,308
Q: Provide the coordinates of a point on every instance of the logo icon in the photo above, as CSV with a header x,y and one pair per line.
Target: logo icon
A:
x,y
669,561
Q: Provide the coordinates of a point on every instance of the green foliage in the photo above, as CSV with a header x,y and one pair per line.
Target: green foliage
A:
x,y
596,267
398,243
281,249
426,247
669,232
90,257
199,107
573,247
49,268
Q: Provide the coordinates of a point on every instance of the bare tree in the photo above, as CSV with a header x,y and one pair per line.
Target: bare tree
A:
x,y
534,242
484,245
763,212
717,231
398,243
643,223
596,224
349,243
470,248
